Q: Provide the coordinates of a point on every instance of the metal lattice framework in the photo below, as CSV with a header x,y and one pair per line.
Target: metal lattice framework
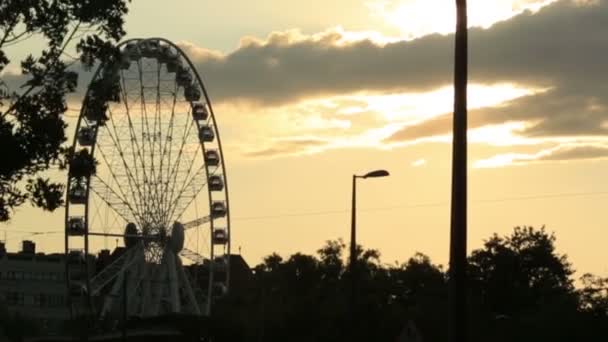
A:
x,y
148,171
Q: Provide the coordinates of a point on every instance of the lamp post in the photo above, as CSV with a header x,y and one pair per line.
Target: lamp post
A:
x,y
353,237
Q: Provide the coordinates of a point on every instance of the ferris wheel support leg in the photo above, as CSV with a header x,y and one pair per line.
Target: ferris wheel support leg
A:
x,y
173,283
157,291
211,272
118,283
186,283
135,279
147,275
114,293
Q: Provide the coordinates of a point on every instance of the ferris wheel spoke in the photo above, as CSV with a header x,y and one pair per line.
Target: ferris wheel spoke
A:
x,y
134,188
149,136
134,146
156,146
188,193
173,176
113,200
133,180
135,150
167,154
161,147
117,180
143,132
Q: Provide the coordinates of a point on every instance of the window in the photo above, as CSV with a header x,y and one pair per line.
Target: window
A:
x,y
11,298
55,300
40,299
15,298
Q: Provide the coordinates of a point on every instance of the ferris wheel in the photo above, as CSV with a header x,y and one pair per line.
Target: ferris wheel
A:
x,y
146,176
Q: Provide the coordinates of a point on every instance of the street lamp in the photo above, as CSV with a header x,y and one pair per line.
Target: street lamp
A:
x,y
353,235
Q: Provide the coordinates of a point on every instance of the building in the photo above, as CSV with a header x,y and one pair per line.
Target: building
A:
x,y
240,273
33,285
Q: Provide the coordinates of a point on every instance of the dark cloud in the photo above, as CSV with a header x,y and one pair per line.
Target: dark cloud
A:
x,y
562,47
562,43
560,112
439,125
564,152
575,152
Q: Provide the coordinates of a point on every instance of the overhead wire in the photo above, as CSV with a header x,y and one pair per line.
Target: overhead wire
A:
x,y
385,208
421,205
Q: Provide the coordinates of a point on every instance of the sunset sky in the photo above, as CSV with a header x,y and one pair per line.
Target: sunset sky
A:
x,y
306,93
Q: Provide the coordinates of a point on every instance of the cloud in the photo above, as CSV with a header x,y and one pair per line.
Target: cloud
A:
x,y
283,147
551,114
563,152
411,16
559,49
560,44
419,162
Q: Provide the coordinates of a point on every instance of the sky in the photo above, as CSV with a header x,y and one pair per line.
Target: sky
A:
x,y
308,93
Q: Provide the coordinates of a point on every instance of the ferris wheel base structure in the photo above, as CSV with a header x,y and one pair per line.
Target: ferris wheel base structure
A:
x,y
147,172
162,328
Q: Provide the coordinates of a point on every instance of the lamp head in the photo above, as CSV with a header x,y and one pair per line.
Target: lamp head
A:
x,y
377,173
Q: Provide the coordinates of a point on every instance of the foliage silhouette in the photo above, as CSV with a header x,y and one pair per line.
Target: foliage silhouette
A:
x,y
521,290
32,127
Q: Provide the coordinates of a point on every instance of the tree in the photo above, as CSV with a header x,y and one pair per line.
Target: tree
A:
x,y
419,292
521,290
331,259
519,283
32,127
594,295
593,318
520,271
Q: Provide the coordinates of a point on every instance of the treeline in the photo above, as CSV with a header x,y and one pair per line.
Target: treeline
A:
x,y
521,289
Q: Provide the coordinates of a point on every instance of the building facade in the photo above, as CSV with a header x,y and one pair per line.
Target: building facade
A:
x,y
32,285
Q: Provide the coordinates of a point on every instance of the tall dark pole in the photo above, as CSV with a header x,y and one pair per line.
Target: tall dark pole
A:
x,y
458,323
353,251
124,306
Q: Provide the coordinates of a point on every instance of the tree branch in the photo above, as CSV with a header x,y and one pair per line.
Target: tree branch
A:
x,y
15,39
31,88
9,30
